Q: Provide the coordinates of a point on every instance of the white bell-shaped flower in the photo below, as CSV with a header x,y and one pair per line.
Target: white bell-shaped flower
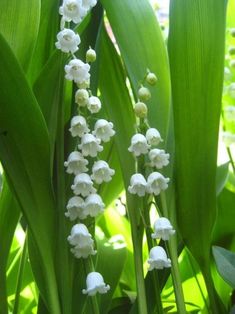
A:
x,y
78,126
72,10
90,145
229,113
101,172
82,241
158,258
94,104
83,251
77,71
75,208
228,138
137,184
103,130
153,137
76,163
88,4
162,229
83,185
139,145
68,41
158,158
80,236
93,205
95,283
156,183
82,97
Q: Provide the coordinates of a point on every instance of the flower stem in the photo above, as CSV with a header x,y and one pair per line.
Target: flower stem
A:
x,y
172,247
89,267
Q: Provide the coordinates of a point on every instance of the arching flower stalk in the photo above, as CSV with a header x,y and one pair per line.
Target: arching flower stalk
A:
x,y
82,162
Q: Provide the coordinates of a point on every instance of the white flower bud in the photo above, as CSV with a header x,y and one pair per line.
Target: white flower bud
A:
x,y
156,183
90,55
137,184
76,163
90,145
228,138
139,145
151,78
83,185
103,130
158,158
158,258
94,104
101,172
82,97
77,71
144,93
93,205
72,10
141,110
95,283
162,229
153,137
84,84
232,32
78,126
231,50
68,41
75,208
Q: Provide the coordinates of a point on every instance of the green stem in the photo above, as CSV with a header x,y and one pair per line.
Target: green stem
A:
x,y
20,276
231,159
64,278
172,247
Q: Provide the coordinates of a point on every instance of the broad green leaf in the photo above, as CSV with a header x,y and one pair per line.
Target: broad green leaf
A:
x,y
196,49
141,45
19,24
25,155
9,215
225,263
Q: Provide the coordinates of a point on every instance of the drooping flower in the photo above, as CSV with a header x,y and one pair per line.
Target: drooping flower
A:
x,y
72,10
101,172
228,138
95,283
88,4
137,184
153,137
156,183
82,97
103,130
141,110
158,158
151,78
139,145
229,113
68,41
82,241
94,104
158,258
90,145
162,229
76,163
77,71
93,205
78,126
75,208
83,185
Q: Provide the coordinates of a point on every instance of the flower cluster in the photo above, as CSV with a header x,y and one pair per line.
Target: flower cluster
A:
x,y
88,172
145,144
